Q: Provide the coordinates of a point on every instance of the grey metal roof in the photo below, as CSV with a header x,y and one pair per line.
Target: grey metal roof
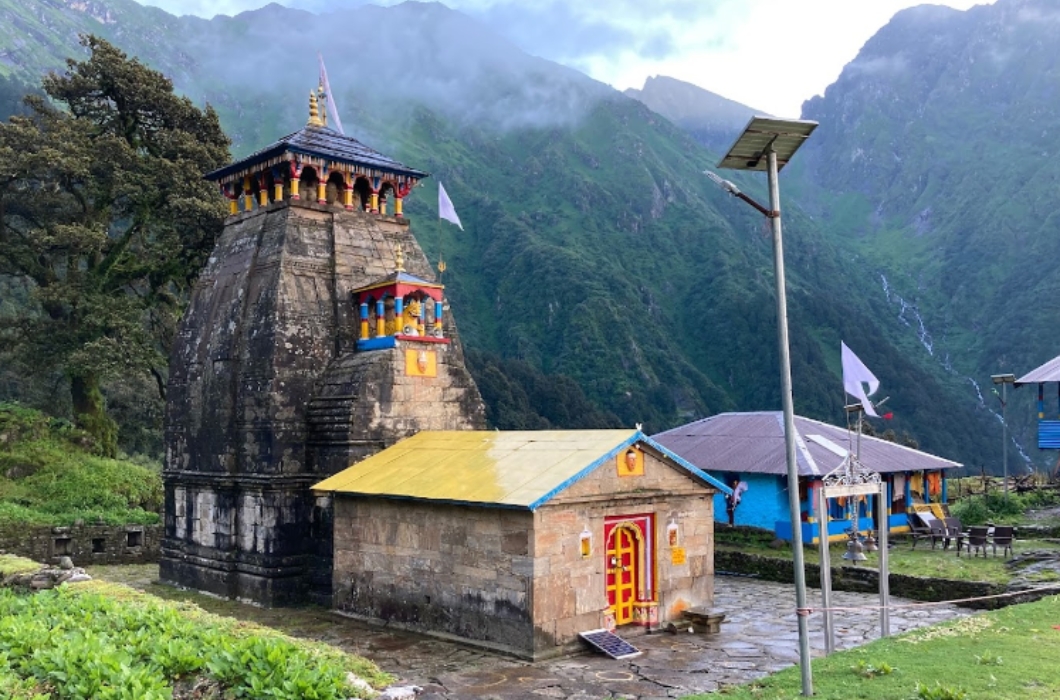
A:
x,y
1049,372
754,443
324,143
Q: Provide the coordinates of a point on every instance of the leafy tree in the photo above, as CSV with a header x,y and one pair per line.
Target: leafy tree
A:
x,y
105,216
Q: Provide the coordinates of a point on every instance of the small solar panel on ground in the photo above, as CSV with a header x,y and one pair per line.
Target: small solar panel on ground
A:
x,y
610,644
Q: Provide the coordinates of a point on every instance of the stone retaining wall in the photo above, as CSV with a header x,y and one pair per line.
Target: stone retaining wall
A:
x,y
851,578
84,544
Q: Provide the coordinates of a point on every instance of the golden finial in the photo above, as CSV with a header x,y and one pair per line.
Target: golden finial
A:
x,y
314,110
400,259
322,105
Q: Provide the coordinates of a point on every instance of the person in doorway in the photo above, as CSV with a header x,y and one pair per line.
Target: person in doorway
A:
x,y
732,500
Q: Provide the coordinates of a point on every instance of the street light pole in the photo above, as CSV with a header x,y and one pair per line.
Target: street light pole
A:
x,y
1004,380
768,144
787,401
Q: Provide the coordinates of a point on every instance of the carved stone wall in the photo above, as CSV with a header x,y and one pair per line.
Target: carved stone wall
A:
x,y
267,395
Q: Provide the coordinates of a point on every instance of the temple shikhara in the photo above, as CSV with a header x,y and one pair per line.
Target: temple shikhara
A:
x,y
315,337
325,441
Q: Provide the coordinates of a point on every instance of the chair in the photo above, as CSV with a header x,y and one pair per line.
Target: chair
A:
x,y
953,532
1003,536
917,529
977,538
936,527
924,526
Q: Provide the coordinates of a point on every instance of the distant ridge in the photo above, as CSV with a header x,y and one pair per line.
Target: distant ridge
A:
x,y
711,119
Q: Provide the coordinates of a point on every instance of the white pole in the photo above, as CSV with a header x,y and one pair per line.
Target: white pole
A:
x,y
885,582
789,427
826,569
1004,435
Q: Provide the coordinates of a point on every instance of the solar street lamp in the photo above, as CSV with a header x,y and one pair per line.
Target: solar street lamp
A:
x,y
1004,380
768,144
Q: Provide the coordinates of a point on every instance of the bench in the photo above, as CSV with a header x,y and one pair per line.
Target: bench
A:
x,y
705,620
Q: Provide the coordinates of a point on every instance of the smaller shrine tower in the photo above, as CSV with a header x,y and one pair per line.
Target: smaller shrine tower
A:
x,y
306,347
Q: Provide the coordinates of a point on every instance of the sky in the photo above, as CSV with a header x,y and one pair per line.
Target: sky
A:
x,y
769,54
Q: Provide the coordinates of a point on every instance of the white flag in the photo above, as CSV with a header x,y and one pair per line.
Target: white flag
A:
x,y
445,207
333,111
855,373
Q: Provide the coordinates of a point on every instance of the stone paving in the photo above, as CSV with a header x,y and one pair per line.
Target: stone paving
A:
x,y
760,636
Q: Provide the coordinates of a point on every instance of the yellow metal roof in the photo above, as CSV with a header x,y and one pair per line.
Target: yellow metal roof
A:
x,y
519,469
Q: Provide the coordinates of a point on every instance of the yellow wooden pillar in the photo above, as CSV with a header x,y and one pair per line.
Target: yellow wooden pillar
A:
x,y
382,206
233,206
277,191
322,192
263,197
294,188
397,207
375,203
348,201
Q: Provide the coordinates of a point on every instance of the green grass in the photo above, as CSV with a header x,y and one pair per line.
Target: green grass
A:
x,y
923,561
11,564
50,476
1008,653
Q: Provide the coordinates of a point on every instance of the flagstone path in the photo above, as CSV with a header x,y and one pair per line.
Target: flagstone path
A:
x,y
759,636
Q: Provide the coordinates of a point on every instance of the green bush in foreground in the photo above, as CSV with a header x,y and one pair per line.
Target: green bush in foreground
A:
x,y
106,642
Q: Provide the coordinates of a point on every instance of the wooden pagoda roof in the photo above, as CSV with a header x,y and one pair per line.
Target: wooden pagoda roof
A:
x,y
319,142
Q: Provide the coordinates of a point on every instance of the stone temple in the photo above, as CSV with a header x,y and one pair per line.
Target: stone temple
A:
x,y
316,336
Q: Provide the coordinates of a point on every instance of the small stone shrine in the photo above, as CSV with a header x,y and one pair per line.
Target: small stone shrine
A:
x,y
307,346
519,540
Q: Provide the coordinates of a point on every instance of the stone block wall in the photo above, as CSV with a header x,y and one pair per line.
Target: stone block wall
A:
x,y
459,570
270,326
570,592
84,544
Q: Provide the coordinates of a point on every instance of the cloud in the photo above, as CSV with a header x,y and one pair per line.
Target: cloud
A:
x,y
879,65
770,54
1038,15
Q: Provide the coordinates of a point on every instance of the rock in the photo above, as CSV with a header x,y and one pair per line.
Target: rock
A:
x,y
66,563
42,582
400,692
360,684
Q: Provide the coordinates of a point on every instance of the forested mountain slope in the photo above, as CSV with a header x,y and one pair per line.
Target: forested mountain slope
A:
x,y
601,278
935,167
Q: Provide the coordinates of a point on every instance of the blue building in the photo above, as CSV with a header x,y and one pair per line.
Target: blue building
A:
x,y
749,447
1048,427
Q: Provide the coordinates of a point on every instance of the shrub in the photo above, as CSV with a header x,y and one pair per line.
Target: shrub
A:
x,y
86,645
47,477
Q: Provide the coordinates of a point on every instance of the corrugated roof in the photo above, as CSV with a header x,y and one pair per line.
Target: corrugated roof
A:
x,y
754,443
516,469
324,143
1049,372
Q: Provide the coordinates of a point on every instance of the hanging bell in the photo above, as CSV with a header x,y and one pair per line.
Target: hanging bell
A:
x,y
855,550
870,543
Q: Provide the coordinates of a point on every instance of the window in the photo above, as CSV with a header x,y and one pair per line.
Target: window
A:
x,y
99,545
136,538
63,546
